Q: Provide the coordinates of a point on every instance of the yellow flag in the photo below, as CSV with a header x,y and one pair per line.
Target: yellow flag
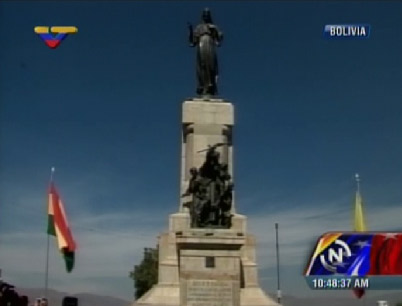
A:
x,y
360,224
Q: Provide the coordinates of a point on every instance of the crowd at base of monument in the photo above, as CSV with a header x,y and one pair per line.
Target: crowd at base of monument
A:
x,y
9,297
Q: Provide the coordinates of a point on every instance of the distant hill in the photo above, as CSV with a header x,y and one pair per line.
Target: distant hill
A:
x,y
84,299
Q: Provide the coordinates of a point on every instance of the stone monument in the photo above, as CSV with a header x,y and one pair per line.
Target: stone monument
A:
x,y
207,257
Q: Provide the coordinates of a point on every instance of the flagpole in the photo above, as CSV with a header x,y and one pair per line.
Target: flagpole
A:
x,y
48,244
277,264
357,178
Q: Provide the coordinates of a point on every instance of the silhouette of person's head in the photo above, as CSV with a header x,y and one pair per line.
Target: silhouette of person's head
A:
x,y
43,302
193,171
24,300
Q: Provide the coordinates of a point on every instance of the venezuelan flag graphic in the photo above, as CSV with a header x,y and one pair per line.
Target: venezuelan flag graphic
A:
x,y
55,36
357,254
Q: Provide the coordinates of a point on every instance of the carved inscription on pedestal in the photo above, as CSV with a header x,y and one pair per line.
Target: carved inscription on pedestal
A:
x,y
209,293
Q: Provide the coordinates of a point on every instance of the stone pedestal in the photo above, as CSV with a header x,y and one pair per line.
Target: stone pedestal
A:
x,y
206,266
209,268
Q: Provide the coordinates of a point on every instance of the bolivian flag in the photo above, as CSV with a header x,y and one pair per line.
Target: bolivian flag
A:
x,y
58,226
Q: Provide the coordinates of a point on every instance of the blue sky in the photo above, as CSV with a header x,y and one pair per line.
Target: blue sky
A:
x,y
104,109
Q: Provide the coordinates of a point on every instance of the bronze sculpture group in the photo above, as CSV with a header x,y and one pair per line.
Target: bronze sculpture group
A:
x,y
211,189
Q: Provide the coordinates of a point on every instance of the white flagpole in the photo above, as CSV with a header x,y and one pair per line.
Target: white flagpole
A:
x,y
48,243
277,264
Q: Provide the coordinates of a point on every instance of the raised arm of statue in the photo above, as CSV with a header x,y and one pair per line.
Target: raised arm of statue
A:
x,y
191,38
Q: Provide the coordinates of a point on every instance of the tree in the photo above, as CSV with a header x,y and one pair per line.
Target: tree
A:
x,y
145,275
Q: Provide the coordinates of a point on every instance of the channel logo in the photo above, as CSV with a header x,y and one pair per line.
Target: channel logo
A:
x,y
347,31
335,255
53,36
357,254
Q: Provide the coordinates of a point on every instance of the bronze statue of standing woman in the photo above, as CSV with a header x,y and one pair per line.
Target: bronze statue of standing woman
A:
x,y
206,37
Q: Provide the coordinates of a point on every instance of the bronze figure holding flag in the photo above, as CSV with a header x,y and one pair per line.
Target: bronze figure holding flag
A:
x,y
211,189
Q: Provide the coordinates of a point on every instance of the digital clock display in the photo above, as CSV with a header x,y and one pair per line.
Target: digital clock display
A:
x,y
337,282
